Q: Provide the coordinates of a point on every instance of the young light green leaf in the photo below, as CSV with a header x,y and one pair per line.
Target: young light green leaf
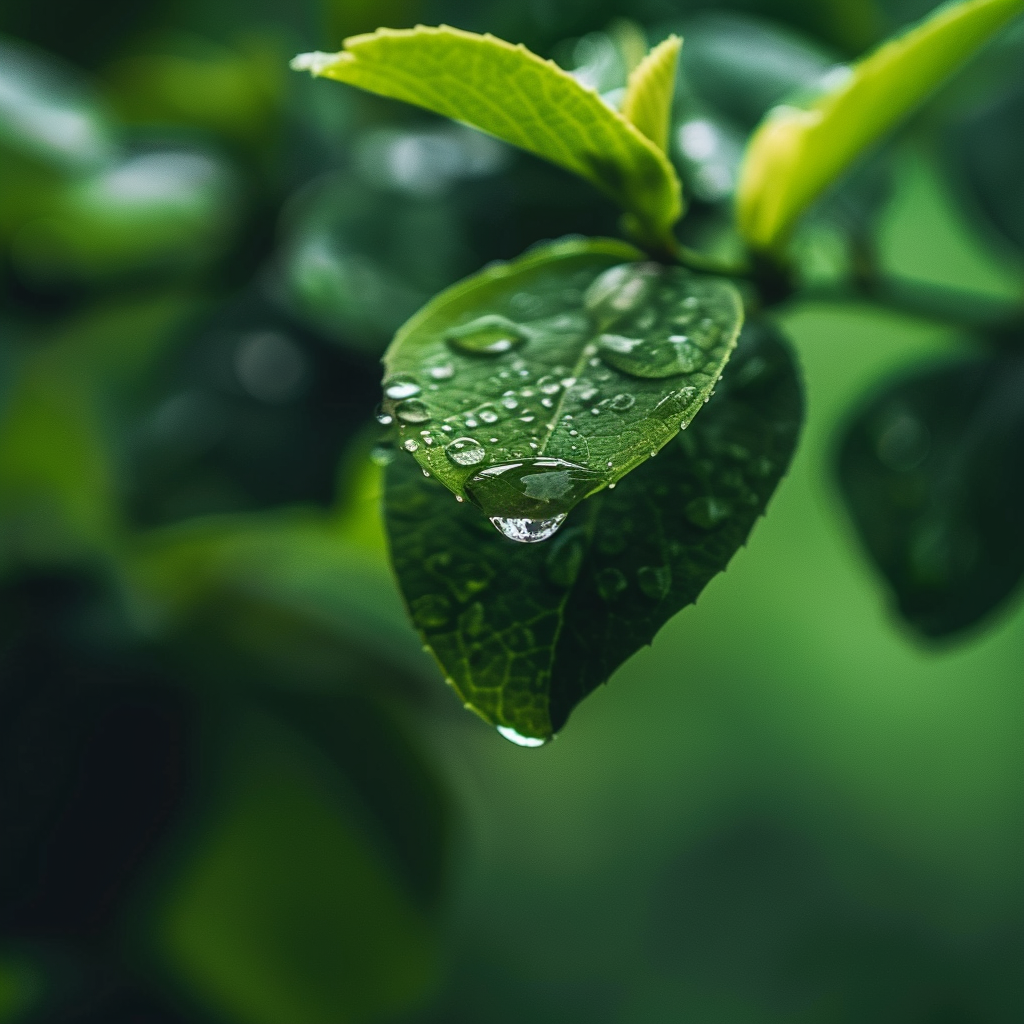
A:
x,y
511,93
648,99
523,634
798,151
533,384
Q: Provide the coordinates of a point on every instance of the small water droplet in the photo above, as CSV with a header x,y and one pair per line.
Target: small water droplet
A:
x,y
466,451
459,498
411,445
547,402
385,419
620,403
527,419
574,433
654,581
610,583
446,428
518,739
567,382
443,372
412,410
472,421
528,531
489,335
488,414
431,611
398,388
509,402
708,512
425,473
549,385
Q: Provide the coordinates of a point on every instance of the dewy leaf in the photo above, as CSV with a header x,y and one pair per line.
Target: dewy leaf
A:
x,y
525,633
798,151
534,383
931,471
652,83
511,93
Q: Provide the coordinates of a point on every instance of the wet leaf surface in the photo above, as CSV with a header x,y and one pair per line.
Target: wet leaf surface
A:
x,y
931,472
536,383
524,633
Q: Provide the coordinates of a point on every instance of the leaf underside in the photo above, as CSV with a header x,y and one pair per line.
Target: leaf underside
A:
x,y
931,472
652,83
604,360
798,151
513,94
523,633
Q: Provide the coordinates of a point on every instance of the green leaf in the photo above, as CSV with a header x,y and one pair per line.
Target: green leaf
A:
x,y
930,469
648,99
511,93
798,151
524,633
535,383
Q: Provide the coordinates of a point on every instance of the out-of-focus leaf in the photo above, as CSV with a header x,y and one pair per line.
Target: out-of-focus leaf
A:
x,y
59,451
233,91
160,210
648,99
987,153
931,472
49,114
510,92
524,633
285,595
289,909
800,150
533,384
742,66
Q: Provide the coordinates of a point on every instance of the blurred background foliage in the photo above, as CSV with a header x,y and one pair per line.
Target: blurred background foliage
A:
x,y
233,788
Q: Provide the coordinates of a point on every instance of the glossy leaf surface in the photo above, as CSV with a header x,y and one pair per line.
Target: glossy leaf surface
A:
x,y
648,99
524,633
800,150
511,93
535,383
931,471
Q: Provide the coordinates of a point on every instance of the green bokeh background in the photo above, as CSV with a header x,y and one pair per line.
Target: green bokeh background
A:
x,y
237,791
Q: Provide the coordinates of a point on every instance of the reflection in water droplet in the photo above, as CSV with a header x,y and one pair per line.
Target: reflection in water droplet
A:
x,y
488,414
412,410
517,738
654,582
444,372
708,512
610,583
466,451
489,335
535,488
410,445
401,387
528,531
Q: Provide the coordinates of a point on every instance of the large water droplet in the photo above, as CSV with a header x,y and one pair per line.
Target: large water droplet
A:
x,y
535,488
528,531
654,581
412,410
610,583
466,451
489,335
398,388
518,739
651,357
708,512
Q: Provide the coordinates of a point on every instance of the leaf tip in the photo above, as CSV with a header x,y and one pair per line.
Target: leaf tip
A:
x,y
315,62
